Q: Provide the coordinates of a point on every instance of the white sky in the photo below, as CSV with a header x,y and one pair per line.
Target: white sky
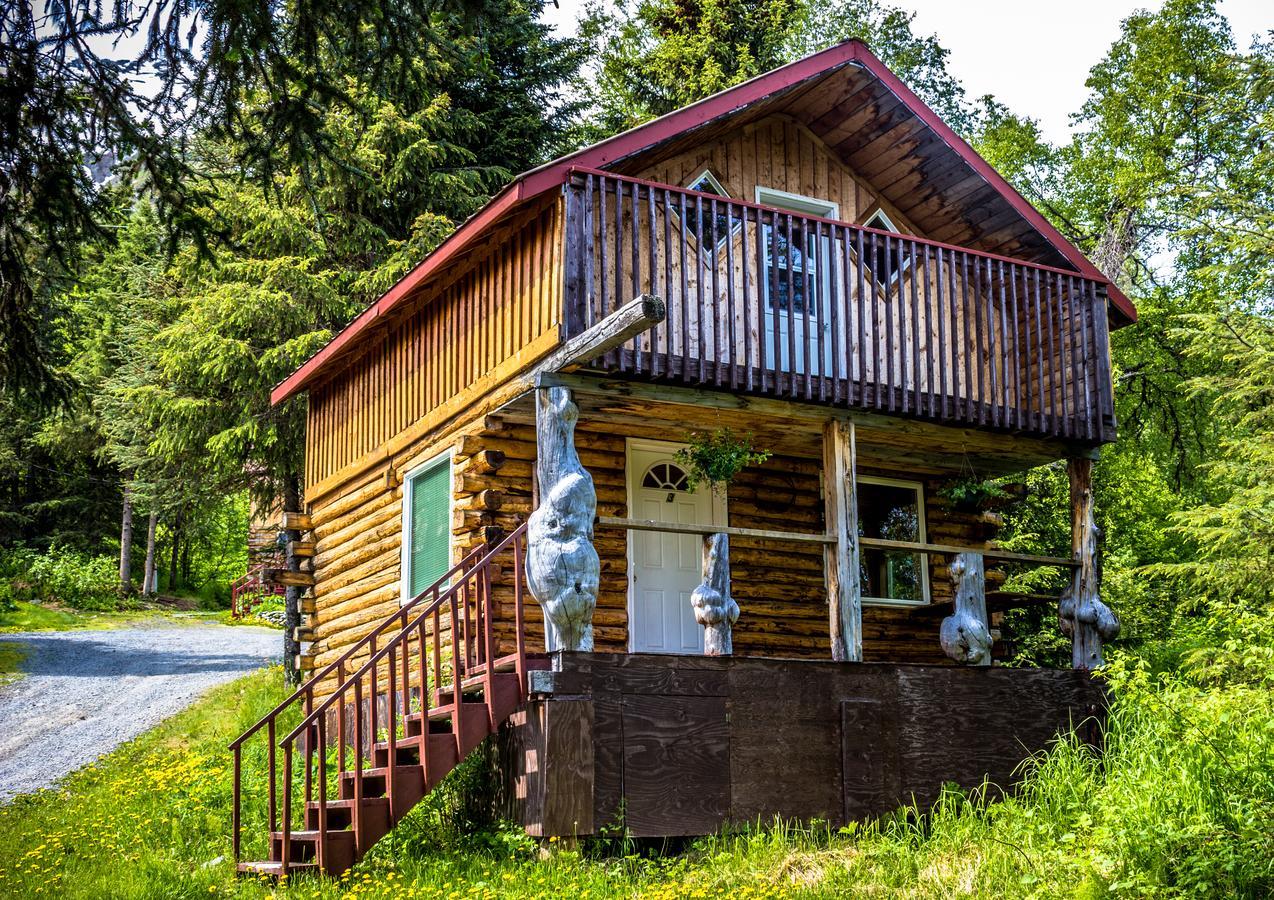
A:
x,y
1033,57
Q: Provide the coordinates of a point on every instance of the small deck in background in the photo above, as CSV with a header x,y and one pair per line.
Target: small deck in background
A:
x,y
684,745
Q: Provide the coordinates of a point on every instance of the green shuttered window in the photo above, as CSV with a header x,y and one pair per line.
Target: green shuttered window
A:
x,y
430,497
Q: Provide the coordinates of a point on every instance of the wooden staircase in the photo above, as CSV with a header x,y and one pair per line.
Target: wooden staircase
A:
x,y
425,688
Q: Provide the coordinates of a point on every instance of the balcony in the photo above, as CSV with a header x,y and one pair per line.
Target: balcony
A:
x,y
772,302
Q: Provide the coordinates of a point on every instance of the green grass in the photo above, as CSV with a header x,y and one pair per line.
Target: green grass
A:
x,y
34,617
11,657
1180,805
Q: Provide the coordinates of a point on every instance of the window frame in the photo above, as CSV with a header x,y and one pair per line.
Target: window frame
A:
x,y
723,194
922,538
409,486
799,205
889,226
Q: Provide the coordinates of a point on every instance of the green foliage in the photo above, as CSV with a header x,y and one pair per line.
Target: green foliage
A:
x,y
63,576
714,458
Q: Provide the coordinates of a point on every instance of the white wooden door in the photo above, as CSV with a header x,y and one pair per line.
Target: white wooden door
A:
x,y
665,568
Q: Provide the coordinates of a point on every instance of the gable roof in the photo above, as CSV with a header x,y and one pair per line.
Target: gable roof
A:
x,y
851,100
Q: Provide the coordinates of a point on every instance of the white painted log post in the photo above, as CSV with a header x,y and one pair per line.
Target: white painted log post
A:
x,y
714,608
1081,613
562,568
844,590
965,634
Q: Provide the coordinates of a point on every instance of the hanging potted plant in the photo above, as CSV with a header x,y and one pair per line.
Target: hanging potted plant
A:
x,y
973,494
715,458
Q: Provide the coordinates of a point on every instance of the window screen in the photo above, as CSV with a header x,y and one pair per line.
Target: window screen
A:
x,y
430,493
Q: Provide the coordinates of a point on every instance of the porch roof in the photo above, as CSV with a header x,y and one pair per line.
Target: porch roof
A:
x,y
850,100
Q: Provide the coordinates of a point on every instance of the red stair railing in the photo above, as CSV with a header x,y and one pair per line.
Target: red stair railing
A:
x,y
250,588
305,693
462,605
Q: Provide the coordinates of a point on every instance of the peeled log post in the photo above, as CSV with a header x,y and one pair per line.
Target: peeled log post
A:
x,y
964,634
714,608
1081,613
562,568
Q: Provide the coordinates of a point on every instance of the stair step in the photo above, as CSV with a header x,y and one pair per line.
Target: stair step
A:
x,y
409,787
442,754
303,848
272,869
340,813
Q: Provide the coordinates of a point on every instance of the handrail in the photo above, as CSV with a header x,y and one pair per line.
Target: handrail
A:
x,y
841,223
402,635
332,666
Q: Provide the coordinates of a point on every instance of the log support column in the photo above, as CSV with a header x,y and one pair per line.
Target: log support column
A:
x,y
714,608
562,567
844,592
1082,615
966,634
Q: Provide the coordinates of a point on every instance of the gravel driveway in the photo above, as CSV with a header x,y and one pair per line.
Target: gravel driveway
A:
x,y
86,692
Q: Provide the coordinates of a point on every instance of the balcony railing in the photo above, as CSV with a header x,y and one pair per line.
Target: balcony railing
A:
x,y
770,301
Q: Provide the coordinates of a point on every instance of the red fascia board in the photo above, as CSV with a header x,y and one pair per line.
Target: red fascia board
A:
x,y
995,179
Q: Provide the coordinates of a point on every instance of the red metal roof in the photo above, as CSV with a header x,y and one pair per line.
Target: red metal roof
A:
x,y
598,156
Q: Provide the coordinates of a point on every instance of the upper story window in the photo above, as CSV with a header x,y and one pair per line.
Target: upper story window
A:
x,y
711,233
426,553
893,510
801,258
889,261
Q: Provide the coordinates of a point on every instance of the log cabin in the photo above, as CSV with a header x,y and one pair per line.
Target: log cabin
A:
x,y
503,539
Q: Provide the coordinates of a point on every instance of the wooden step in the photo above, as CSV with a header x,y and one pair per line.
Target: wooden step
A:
x,y
443,754
340,815
409,787
272,869
303,848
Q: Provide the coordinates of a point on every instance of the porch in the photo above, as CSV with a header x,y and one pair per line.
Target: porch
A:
x,y
685,745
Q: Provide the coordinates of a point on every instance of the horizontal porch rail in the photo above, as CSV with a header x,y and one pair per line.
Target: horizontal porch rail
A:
x,y
770,301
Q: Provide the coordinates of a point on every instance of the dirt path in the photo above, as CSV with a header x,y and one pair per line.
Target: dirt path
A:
x,y
86,692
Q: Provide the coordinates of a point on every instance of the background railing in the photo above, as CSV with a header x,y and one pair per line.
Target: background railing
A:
x,y
770,301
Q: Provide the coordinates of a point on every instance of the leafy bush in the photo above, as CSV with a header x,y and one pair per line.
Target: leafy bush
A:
x,y
715,458
63,576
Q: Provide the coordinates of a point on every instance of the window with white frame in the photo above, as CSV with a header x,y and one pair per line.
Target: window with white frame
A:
x,y
800,258
893,510
426,546
890,259
710,232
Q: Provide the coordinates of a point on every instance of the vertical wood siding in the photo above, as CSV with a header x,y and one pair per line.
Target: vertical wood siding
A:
x,y
451,337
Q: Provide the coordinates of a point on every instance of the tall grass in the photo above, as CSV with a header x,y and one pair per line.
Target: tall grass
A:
x,y
1178,805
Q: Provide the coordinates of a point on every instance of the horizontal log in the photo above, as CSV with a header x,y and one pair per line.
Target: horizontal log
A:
x,y
675,528
297,521
289,578
304,549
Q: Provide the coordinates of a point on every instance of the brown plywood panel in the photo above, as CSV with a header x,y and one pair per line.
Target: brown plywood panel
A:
x,y
676,764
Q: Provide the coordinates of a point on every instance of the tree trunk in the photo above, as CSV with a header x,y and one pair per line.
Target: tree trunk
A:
x,y
292,595
176,549
714,608
126,544
965,634
148,572
185,560
1082,615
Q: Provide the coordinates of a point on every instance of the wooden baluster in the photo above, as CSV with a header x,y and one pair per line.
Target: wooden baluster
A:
x,y
931,318
391,738
983,355
913,265
839,303
712,258
307,708
406,661
285,858
1079,290
1064,356
636,248
670,323
684,334
732,314
793,368
749,301
653,252
457,707
888,324
877,360
700,277
859,355
588,249
519,623
968,348
373,714
1101,329
422,665
1008,351
940,308
1043,362
822,278
488,650
437,656
322,793
776,311
603,239
271,803
357,817
809,292
235,790
619,250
